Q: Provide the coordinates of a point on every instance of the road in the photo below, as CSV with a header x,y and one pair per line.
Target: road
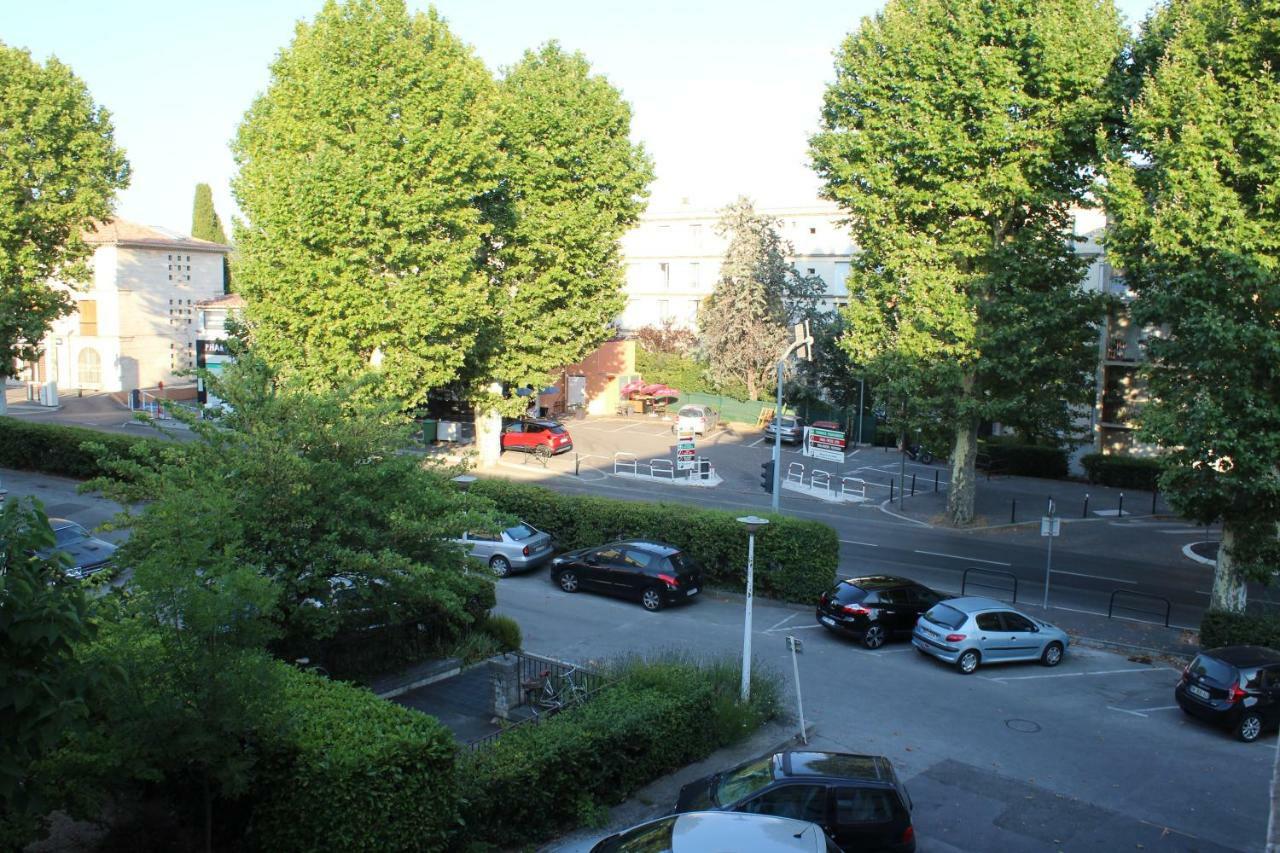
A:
x,y
1091,755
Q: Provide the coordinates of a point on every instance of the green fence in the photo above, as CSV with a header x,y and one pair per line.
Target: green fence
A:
x,y
748,412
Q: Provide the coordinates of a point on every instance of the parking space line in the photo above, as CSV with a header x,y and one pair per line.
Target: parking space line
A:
x,y
791,628
1095,577
1082,674
784,621
1139,712
864,544
970,559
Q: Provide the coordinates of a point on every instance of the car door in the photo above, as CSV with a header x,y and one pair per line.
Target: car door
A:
x,y
534,435
894,613
919,600
796,800
865,818
513,436
599,568
636,573
992,641
1270,694
482,544
1024,638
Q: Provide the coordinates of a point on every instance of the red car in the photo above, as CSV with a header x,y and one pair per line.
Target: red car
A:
x,y
544,438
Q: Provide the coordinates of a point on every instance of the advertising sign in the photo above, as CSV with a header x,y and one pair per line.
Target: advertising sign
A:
x,y
686,454
825,444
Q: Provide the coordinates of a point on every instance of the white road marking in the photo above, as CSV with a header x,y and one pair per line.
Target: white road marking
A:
x,y
1140,711
1082,674
756,443
1095,577
1075,610
864,544
791,628
970,559
783,621
1187,531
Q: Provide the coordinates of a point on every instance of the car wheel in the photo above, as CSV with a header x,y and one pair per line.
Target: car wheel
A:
x,y
1250,727
1052,654
926,458
967,663
568,581
500,566
874,637
651,599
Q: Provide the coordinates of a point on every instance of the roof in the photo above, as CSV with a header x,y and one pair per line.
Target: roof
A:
x,y
121,232
1245,656
837,765
226,300
700,831
879,582
976,604
656,547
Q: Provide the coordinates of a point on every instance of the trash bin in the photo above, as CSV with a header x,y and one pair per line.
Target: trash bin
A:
x,y
428,430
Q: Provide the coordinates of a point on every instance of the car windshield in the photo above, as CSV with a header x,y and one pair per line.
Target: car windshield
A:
x,y
690,412
744,781
521,532
651,838
678,561
947,617
847,593
558,430
1214,669
70,533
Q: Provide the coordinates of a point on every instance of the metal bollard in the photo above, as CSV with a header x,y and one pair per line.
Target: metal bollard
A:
x,y
1120,509
1154,494
577,463
913,485
1013,511
935,481
1085,513
890,490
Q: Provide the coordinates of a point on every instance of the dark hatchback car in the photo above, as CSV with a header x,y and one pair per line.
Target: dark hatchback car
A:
x,y
652,573
874,609
857,799
89,554
1235,687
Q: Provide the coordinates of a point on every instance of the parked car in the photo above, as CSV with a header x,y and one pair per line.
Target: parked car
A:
x,y
517,548
972,631
710,832
653,573
543,437
695,419
792,429
876,608
857,799
1235,687
88,553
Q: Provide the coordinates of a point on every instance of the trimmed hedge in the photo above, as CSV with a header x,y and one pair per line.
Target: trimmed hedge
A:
x,y
1219,628
1122,470
351,771
796,559
1026,460
537,780
57,449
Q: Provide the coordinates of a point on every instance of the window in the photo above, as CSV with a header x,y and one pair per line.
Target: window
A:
x,y
664,273
90,367
482,536
989,622
863,805
664,310
695,234
813,230
801,802
1017,623
695,270
608,555
89,317
812,271
638,559
694,305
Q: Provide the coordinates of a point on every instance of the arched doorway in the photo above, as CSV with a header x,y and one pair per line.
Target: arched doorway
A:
x,y
89,368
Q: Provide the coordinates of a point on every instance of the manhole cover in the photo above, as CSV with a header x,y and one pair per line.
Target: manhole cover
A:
x,y
1025,726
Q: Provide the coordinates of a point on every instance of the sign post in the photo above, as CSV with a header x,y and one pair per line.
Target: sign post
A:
x,y
1050,526
828,444
796,648
686,452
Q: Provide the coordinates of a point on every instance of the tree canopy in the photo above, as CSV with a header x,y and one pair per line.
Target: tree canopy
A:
x,y
59,172
958,136
205,223
1194,205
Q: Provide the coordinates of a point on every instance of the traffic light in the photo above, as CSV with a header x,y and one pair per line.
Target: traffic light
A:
x,y
766,476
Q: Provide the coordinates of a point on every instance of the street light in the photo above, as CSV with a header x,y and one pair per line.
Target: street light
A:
x,y
463,482
752,523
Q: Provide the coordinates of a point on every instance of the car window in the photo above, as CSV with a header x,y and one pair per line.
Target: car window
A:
x,y
482,536
847,593
534,429
690,412
989,622
922,596
947,617
743,781
1271,677
609,555
893,596
71,533
801,802
864,805
521,532
1251,679
1213,669
638,559
679,562
1017,622
559,430
650,838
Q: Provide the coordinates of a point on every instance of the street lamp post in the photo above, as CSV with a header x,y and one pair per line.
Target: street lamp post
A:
x,y
752,523
463,482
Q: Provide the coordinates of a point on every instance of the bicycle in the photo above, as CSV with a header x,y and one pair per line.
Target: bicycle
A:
x,y
547,694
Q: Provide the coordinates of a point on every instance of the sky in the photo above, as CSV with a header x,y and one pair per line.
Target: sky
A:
x,y
725,94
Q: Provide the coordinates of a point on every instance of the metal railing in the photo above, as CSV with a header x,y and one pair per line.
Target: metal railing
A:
x,y
533,672
964,580
1111,605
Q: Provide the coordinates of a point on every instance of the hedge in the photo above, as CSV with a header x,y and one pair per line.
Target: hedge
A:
x,y
1119,469
1219,628
796,559
351,771
537,780
1026,460
57,449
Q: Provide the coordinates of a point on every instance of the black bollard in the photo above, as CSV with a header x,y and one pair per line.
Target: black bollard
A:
x,y
1085,514
1120,508
1013,511
890,490
935,481
913,485
1154,494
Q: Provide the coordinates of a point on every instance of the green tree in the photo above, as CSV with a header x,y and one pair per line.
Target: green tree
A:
x,y
745,323
59,171
958,135
363,170
46,620
1195,224
573,183
205,224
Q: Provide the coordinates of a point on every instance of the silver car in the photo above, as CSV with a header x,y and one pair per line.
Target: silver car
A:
x,y
517,548
695,419
792,429
972,631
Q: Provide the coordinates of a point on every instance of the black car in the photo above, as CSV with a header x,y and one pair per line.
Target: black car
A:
x,y
653,573
88,553
1236,687
856,799
875,608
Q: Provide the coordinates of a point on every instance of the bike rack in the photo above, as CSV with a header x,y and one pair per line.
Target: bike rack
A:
x,y
619,461
661,468
964,580
795,473
845,491
820,480
1168,606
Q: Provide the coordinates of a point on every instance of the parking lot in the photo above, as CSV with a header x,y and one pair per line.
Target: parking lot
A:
x,y
1089,755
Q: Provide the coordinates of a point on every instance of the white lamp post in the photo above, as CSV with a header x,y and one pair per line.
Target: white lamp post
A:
x,y
752,523
464,481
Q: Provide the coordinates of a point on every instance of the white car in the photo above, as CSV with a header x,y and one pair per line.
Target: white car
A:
x,y
695,419
712,832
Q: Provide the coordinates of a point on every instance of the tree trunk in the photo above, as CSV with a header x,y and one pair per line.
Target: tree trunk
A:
x,y
963,488
1229,591
488,435
752,389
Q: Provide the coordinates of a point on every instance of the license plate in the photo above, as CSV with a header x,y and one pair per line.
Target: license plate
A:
x,y
828,621
693,591
1198,691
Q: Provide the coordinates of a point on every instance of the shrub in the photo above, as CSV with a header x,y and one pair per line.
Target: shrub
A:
x,y
795,559
1220,628
505,630
683,372
1122,470
352,772
1026,460
656,717
61,450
